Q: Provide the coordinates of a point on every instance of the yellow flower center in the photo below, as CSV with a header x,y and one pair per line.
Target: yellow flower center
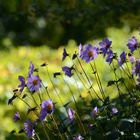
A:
x,y
49,107
35,82
90,53
123,59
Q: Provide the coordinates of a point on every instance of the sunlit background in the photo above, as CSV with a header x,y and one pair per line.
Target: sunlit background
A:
x,y
38,30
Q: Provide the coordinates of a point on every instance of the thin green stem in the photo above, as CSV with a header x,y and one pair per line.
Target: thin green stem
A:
x,y
80,122
54,87
80,78
98,80
37,136
70,92
57,127
46,134
89,80
46,90
119,92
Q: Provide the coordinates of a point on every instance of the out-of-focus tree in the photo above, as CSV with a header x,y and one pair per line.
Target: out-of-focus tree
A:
x,y
38,22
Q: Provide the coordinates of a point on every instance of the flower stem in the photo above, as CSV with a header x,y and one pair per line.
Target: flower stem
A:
x,y
89,80
54,87
57,127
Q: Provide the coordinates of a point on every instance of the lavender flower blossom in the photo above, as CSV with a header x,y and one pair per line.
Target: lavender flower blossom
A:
x,y
29,129
132,44
78,137
89,53
105,46
31,69
16,116
131,58
34,83
67,70
47,108
22,85
136,68
94,112
90,126
71,114
65,54
114,110
110,56
122,59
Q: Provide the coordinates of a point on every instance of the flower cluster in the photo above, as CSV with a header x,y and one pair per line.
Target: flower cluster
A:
x,y
33,81
93,115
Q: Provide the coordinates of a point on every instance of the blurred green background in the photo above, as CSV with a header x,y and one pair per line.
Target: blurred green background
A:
x,y
38,30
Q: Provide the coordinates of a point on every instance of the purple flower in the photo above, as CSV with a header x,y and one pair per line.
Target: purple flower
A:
x,y
136,68
16,116
114,110
89,53
132,44
47,108
105,46
34,83
31,69
90,126
110,56
122,59
67,71
65,54
131,58
71,114
94,112
22,85
29,129
78,137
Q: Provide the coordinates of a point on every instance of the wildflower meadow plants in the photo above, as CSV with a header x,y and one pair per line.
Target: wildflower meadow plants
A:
x,y
96,116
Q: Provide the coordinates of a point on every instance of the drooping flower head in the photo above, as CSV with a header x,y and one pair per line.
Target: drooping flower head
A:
x,y
110,56
22,84
78,137
29,128
94,112
122,59
114,110
34,83
105,46
67,70
47,108
136,68
132,44
31,69
71,114
65,54
16,116
89,53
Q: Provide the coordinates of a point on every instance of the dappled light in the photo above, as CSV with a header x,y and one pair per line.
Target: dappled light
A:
x,y
69,70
